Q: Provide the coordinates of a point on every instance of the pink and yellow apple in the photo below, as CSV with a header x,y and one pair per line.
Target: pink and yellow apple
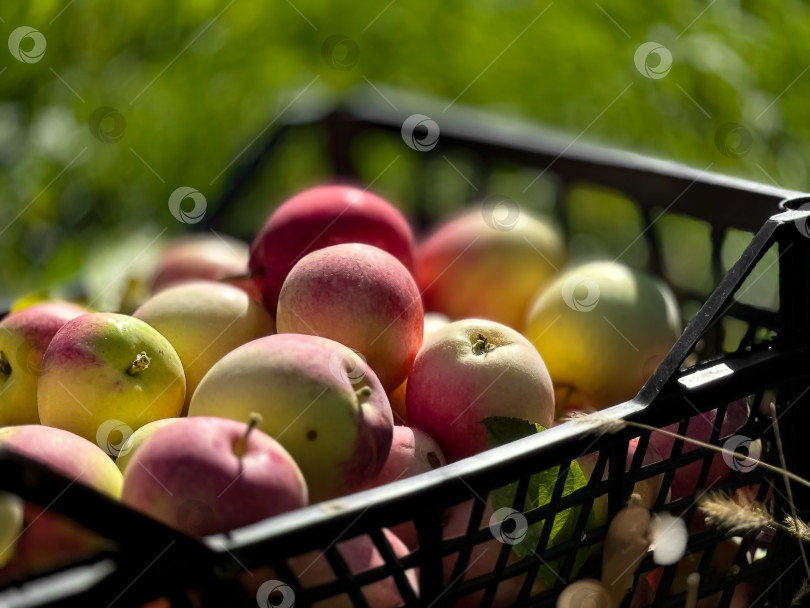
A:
x,y
106,366
475,369
48,538
204,321
474,265
318,399
321,217
209,475
362,297
602,329
24,336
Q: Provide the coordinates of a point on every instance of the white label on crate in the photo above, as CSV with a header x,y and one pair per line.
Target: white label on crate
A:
x,y
704,376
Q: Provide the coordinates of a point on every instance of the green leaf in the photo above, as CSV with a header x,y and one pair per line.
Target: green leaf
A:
x,y
502,430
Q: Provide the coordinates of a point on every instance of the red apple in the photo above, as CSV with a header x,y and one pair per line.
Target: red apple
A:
x,y
24,336
475,369
206,476
321,217
362,297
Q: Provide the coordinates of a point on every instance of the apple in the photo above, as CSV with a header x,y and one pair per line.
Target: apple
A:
x,y
413,452
133,442
202,256
478,265
602,329
208,475
318,398
362,297
204,321
475,369
320,217
701,426
24,336
106,366
48,538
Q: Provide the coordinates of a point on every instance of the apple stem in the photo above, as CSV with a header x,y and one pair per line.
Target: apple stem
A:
x,y
5,366
481,346
240,447
141,363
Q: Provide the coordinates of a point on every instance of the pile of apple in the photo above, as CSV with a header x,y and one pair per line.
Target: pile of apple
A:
x,y
254,383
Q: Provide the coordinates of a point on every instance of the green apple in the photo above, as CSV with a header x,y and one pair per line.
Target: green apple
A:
x,y
104,367
204,321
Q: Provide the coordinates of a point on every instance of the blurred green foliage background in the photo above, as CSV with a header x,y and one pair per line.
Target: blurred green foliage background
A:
x,y
196,80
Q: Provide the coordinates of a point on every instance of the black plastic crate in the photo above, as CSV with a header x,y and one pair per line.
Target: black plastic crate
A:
x,y
766,358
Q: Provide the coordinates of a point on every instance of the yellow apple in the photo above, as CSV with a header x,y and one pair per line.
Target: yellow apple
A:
x,y
204,321
602,329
